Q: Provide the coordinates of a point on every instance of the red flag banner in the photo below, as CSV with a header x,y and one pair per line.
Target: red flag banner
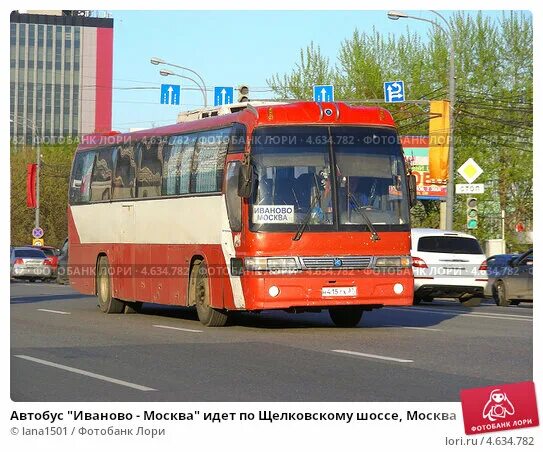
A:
x,y
31,169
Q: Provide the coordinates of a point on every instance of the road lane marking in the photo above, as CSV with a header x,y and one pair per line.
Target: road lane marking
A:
x,y
464,314
414,328
54,312
188,330
86,373
367,355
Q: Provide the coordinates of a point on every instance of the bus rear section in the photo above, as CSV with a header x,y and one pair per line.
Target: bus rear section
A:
x,y
308,213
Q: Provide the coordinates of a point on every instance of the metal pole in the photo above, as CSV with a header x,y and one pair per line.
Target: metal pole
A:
x,y
503,232
38,165
449,218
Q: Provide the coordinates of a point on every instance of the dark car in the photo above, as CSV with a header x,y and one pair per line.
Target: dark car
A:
x,y
512,282
62,268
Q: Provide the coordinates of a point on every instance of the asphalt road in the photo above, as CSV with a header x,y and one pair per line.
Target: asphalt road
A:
x,y
64,349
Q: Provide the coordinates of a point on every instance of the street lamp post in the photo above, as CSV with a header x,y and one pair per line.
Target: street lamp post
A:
x,y
395,15
35,132
165,73
157,61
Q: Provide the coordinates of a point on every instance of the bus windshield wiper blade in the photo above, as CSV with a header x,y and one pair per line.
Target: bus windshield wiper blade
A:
x,y
303,224
359,208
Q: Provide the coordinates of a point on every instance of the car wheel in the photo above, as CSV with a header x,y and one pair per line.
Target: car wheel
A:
x,y
106,302
346,316
500,296
200,296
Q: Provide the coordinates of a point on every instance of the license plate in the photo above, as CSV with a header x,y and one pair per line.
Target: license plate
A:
x,y
338,291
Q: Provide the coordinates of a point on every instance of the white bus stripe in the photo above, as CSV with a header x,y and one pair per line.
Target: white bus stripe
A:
x,y
86,373
54,312
368,355
188,330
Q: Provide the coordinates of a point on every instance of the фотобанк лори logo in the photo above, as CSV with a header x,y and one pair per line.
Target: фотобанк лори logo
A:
x,y
495,408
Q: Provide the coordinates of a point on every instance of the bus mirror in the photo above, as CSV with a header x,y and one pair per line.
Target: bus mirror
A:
x,y
246,180
412,183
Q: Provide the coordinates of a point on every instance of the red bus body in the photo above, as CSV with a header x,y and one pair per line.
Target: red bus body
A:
x,y
154,246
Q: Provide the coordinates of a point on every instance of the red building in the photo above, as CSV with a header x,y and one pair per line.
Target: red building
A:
x,y
61,67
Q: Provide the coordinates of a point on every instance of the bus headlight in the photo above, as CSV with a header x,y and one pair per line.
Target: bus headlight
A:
x,y
271,264
394,261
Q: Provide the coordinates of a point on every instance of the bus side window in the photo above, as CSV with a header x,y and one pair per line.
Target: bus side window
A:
x,y
125,173
81,177
208,162
233,201
149,178
177,164
101,176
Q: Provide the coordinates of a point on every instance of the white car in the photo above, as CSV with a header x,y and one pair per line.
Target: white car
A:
x,y
447,264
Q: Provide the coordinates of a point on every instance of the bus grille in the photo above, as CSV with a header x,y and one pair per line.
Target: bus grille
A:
x,y
336,262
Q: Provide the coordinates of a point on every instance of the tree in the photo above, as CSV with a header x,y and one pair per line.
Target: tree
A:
x,y
54,175
493,111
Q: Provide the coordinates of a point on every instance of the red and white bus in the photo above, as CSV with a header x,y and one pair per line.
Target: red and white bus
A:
x,y
301,207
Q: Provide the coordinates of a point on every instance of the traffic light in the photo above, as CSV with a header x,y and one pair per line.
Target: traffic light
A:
x,y
243,93
440,128
472,213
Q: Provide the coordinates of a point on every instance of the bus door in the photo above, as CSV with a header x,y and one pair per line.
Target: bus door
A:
x,y
127,246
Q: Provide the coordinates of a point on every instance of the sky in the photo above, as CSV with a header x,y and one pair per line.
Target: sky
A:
x,y
227,48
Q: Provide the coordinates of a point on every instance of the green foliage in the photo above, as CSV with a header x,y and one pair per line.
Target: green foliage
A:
x,y
493,108
54,175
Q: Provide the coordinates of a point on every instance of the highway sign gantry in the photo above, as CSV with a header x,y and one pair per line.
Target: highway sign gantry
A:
x,y
170,94
323,93
394,91
223,95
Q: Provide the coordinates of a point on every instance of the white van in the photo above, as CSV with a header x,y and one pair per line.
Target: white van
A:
x,y
447,264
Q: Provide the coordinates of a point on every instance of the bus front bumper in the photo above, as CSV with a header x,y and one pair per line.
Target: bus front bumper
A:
x,y
264,290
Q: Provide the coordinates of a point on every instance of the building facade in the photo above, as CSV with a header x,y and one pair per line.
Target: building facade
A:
x,y
61,67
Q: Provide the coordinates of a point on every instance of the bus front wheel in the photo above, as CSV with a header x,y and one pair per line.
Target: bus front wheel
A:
x,y
201,297
346,316
106,302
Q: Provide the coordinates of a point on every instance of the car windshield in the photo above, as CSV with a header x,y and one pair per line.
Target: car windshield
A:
x,y
48,251
29,253
453,245
326,176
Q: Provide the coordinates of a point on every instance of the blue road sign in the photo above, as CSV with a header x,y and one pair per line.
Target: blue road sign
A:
x,y
394,91
170,94
223,95
323,93
37,233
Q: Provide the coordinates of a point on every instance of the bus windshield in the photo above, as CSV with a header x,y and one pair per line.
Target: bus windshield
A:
x,y
332,177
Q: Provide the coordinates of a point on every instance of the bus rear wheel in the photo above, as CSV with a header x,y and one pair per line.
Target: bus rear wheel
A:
x,y
199,286
346,316
106,302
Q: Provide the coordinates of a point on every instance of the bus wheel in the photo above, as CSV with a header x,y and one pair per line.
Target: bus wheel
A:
x,y
346,316
200,289
106,302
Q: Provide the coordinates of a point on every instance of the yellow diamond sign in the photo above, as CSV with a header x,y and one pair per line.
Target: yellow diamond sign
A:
x,y
470,170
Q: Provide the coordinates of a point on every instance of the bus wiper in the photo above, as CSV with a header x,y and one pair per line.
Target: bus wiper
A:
x,y
374,236
305,222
